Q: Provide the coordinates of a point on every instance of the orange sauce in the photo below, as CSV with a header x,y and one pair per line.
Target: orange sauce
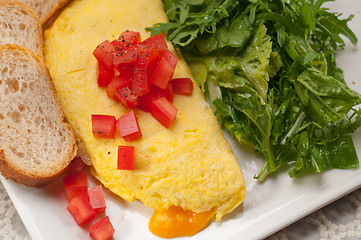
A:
x,y
176,222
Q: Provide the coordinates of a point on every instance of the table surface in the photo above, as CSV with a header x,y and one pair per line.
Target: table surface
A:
x,y
338,220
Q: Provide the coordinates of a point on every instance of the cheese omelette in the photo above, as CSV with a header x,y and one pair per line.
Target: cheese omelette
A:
x,y
189,165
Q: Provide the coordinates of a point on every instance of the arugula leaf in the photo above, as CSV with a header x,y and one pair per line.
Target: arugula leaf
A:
x,y
269,70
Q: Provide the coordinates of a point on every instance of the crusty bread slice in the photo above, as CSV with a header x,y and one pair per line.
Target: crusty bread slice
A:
x,y
36,144
20,25
44,8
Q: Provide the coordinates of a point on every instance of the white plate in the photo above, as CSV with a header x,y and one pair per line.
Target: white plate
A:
x,y
267,208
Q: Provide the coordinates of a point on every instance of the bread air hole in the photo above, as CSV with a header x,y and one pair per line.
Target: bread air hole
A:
x,y
22,26
19,154
15,116
21,107
4,71
13,84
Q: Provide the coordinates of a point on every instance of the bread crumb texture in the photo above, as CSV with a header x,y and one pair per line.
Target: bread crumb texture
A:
x,y
33,136
20,25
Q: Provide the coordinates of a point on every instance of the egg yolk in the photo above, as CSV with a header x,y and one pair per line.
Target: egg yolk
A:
x,y
176,222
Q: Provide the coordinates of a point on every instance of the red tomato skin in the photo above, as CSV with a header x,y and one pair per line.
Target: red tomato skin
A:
x,y
125,158
105,75
81,210
156,42
173,60
76,166
117,83
155,93
103,53
76,184
128,126
127,97
126,70
130,37
97,199
140,83
102,229
163,111
143,71
163,73
182,86
125,55
103,126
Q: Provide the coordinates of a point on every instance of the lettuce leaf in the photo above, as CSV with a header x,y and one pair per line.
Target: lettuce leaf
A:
x,y
269,70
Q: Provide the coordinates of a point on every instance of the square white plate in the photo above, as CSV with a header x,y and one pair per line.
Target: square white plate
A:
x,y
267,208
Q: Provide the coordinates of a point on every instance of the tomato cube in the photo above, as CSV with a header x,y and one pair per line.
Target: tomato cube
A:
x,y
125,55
127,97
173,60
128,126
125,158
156,42
76,184
140,83
162,110
130,37
103,53
105,74
117,83
76,166
81,210
155,93
103,126
102,229
97,199
126,69
182,86
163,73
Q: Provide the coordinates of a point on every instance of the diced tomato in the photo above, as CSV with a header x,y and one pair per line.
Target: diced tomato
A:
x,y
103,53
125,55
103,126
117,83
128,126
162,110
102,229
140,82
125,157
105,75
127,97
129,37
173,60
126,70
76,184
97,199
81,210
155,93
163,73
145,66
182,86
76,166
156,42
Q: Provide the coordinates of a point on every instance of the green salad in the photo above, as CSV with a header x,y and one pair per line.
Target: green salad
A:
x,y
268,67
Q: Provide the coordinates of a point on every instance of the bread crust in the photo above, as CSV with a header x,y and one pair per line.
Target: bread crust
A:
x,y
8,170
19,176
55,8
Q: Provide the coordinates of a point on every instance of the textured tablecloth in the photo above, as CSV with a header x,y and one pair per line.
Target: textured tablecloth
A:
x,y
339,220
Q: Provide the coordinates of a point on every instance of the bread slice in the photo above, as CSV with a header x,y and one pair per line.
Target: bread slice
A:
x,y
20,25
36,144
44,8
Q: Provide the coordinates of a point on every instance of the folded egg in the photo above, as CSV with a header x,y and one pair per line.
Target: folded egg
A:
x,y
189,165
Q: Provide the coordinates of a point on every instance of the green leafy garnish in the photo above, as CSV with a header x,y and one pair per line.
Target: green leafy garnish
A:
x,y
269,69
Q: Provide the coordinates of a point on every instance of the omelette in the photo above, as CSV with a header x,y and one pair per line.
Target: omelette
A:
x,y
187,168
